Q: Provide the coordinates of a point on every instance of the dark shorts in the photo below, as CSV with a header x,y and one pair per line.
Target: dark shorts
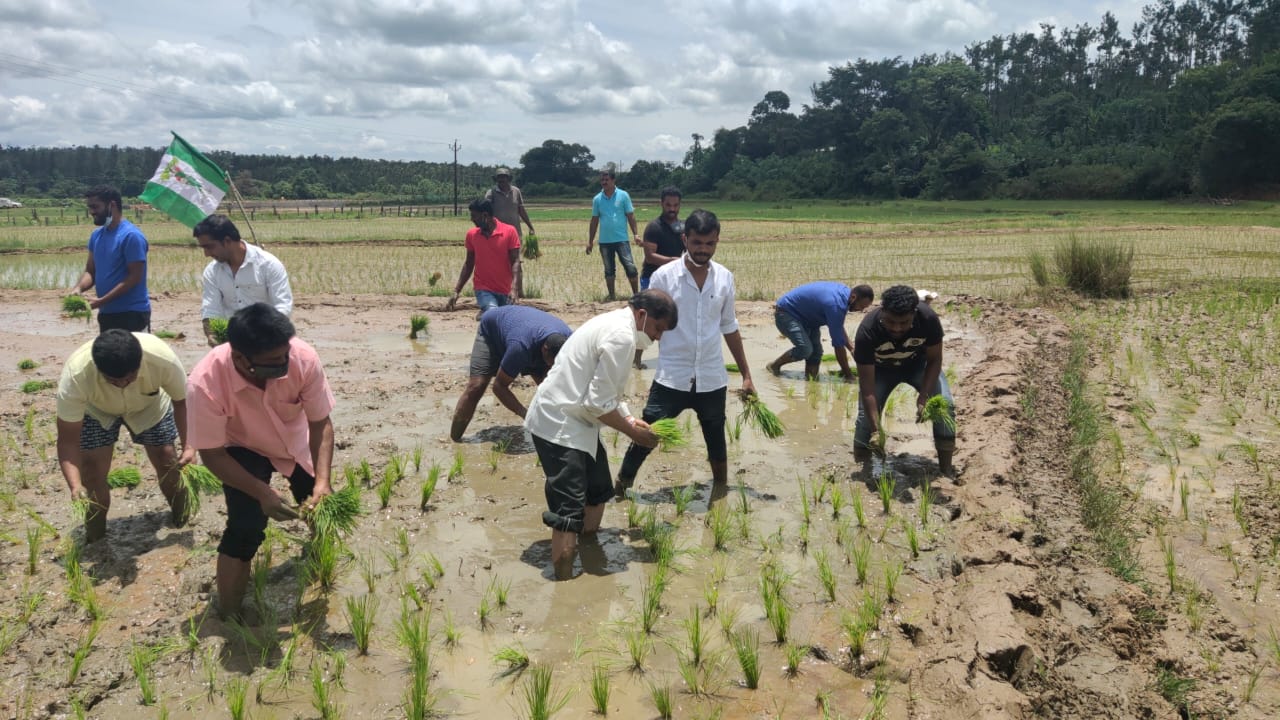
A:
x,y
575,480
665,402
621,252
484,359
133,321
246,523
94,436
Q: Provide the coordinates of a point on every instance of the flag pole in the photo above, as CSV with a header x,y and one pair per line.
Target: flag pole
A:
x,y
235,192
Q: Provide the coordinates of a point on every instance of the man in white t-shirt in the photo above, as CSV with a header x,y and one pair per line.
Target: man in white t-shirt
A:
x,y
239,275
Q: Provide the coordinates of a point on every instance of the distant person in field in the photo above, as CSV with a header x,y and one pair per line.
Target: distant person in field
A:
x,y
120,379
493,253
239,274
508,201
582,393
691,373
259,404
512,341
900,342
663,242
117,265
800,314
612,213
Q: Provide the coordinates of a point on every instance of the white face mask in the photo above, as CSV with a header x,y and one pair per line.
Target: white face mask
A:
x,y
643,341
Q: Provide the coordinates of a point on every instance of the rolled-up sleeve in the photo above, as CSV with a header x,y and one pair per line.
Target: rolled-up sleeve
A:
x,y
211,305
604,394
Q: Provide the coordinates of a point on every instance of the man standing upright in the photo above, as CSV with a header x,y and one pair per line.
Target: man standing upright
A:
x,y
239,274
258,404
611,214
508,201
691,373
663,242
117,265
493,252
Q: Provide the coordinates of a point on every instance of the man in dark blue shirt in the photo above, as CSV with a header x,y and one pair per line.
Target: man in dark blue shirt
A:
x,y
512,340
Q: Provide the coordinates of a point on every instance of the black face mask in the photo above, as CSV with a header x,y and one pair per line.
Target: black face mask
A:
x,y
269,372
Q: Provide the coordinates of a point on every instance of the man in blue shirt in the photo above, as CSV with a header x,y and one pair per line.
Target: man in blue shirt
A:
x,y
611,213
117,265
801,313
512,340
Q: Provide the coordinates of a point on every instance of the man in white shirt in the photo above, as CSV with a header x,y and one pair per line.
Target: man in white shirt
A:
x,y
691,373
239,275
583,392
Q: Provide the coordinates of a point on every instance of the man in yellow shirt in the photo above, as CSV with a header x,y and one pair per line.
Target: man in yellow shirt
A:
x,y
129,379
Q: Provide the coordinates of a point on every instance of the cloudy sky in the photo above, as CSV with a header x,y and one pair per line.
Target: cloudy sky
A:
x,y
401,79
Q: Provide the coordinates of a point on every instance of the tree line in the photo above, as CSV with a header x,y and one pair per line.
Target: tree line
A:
x,y
1187,102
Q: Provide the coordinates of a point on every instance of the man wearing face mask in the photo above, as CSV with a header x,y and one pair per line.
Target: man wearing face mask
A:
x,y
582,393
258,404
900,342
120,379
691,373
117,265
493,252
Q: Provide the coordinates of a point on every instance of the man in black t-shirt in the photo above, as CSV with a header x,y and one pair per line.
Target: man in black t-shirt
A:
x,y
663,242
900,342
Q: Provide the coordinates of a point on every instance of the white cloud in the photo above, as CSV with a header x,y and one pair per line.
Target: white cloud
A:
x,y
441,22
19,110
664,144
370,61
48,13
196,60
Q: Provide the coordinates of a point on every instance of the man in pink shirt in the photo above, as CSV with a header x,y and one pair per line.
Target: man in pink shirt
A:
x,y
493,252
257,403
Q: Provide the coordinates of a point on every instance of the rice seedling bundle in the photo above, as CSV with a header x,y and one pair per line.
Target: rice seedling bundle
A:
x,y
336,512
670,434
531,249
218,329
732,367
124,477
35,386
76,306
754,412
199,480
937,409
417,323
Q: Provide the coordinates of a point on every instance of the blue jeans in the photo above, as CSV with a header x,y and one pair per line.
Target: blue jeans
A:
x,y
806,342
888,378
622,252
486,300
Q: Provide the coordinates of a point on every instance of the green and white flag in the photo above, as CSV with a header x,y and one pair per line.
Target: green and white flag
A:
x,y
187,186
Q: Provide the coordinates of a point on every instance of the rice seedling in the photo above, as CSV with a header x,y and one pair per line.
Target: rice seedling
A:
x,y
75,306
600,689
879,697
434,567
31,602
141,658
777,609
336,513
711,594
419,702
825,575
452,633
29,423
670,435
696,637
417,324
198,481
123,477
1238,510
926,503
429,486
360,614
1174,688
661,697
410,591
1251,684
483,610
633,515
531,251
859,512
805,506
682,496
837,501
638,646
320,695
794,655
78,656
500,589
744,504
1257,582
322,555
218,329
34,536
237,694
857,626
885,487
27,364
937,410
402,542
413,633
845,533
651,589
541,701
746,645
384,489
455,471
755,412
35,386
721,527
515,658
892,573
366,473
1170,564
913,539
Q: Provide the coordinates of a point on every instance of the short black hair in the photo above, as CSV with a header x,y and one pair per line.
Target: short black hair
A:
x,y
116,353
864,291
610,172
106,193
257,329
553,343
658,304
219,227
483,205
701,222
900,300
669,191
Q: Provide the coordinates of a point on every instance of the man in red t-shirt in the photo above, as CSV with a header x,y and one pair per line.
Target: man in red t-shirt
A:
x,y
493,252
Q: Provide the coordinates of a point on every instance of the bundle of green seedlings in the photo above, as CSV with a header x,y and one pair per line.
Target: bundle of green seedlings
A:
x,y
35,386
124,477
670,435
76,307
531,250
218,329
732,367
199,480
756,413
937,409
417,324
336,513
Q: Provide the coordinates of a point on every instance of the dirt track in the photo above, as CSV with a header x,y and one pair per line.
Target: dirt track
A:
x,y
1005,613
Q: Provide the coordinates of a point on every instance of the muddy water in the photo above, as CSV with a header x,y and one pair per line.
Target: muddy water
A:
x,y
395,396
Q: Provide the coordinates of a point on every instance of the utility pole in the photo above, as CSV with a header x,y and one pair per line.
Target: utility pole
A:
x,y
455,147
